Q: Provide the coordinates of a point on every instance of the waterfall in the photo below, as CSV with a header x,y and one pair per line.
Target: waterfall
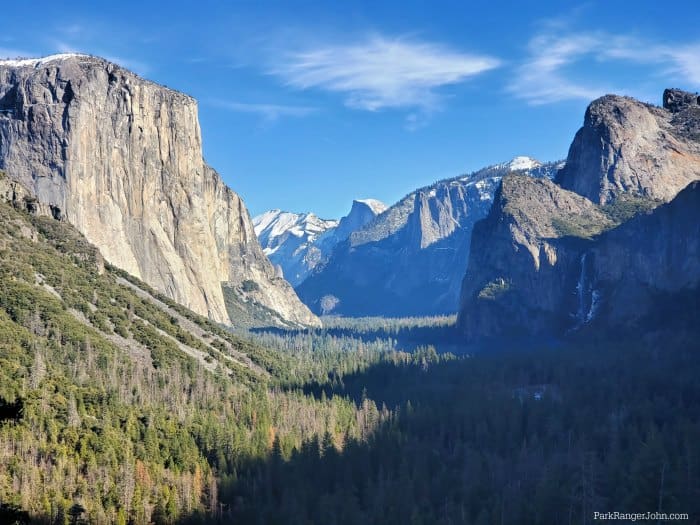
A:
x,y
581,292
593,310
587,299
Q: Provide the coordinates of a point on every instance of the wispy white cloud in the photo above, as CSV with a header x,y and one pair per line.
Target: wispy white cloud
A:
x,y
685,61
542,78
64,47
268,112
681,60
382,72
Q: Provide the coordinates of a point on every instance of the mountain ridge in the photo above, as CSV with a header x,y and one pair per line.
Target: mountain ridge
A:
x,y
410,259
297,242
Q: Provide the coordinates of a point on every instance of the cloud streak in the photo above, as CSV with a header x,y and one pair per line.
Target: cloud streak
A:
x,y
539,80
382,73
269,112
543,79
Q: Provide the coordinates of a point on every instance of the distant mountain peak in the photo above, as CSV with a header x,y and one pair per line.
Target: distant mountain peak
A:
x,y
298,242
272,225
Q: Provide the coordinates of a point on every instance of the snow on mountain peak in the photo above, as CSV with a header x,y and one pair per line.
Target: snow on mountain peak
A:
x,y
273,224
35,62
523,163
376,206
297,242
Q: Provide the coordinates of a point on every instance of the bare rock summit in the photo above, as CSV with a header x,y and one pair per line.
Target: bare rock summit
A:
x,y
632,148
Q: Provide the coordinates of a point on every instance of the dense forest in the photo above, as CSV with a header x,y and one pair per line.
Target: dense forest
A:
x,y
119,406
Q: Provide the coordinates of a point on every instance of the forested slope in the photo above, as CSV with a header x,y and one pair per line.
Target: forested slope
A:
x,y
118,402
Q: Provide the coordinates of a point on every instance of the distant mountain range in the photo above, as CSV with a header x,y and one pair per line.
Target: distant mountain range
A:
x,y
297,242
524,248
411,258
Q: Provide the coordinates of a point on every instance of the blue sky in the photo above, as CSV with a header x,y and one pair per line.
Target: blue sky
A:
x,y
307,105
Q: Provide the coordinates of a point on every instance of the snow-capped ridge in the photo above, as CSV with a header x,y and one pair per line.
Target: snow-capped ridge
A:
x,y
417,249
273,224
298,242
523,163
35,62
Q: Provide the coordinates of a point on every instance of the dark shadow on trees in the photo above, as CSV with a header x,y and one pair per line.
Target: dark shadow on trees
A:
x,y
11,411
615,429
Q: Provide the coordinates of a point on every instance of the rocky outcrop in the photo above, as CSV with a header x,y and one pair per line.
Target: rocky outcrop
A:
x,y
677,100
628,147
21,198
120,158
362,212
524,256
411,259
598,249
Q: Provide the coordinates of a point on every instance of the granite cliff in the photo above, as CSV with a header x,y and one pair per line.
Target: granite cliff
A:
x,y
601,247
626,147
645,273
120,158
520,257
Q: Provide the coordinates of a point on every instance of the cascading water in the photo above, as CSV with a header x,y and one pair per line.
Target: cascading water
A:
x,y
595,302
587,299
581,293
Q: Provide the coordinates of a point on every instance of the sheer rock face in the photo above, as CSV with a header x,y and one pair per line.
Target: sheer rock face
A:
x,y
120,158
597,249
628,147
637,268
